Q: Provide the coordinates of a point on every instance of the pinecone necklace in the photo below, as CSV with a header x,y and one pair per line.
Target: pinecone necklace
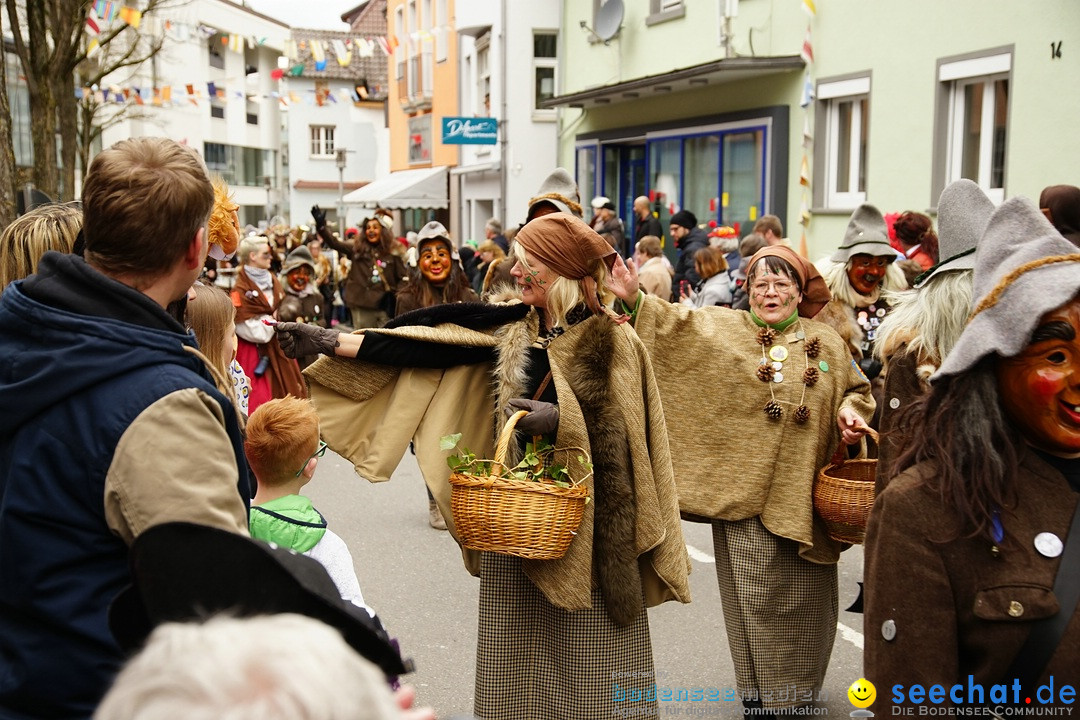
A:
x,y
770,370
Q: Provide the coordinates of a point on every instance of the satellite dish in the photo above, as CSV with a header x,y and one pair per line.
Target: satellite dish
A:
x,y
609,19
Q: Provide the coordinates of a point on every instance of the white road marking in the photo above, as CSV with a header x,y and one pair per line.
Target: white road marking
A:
x,y
851,635
698,555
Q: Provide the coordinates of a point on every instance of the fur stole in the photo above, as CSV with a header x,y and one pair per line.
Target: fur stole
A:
x,y
615,563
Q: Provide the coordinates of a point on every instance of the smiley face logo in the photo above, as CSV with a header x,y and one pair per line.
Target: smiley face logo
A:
x,y
862,693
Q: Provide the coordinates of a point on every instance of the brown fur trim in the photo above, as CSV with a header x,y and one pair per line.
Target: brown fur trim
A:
x,y
841,318
614,551
575,207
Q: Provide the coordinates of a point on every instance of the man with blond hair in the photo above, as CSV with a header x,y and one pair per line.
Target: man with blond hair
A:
x,y
113,423
770,228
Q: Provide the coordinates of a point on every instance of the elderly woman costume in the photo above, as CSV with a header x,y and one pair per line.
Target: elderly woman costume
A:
x,y
787,392
551,632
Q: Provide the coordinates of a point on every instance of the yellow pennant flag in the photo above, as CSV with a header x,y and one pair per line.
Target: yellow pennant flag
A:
x,y
131,16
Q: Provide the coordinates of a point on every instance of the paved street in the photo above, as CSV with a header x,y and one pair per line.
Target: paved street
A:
x,y
413,576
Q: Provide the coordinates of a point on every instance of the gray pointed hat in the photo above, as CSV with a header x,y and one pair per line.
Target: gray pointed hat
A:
x,y
866,234
963,212
560,190
1024,269
298,258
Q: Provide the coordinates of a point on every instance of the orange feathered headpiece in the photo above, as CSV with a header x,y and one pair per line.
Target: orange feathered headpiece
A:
x,y
224,225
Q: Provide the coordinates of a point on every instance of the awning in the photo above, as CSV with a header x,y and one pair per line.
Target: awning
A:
x,y
421,188
715,72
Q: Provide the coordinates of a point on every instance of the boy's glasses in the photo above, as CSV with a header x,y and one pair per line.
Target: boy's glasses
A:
x,y
317,454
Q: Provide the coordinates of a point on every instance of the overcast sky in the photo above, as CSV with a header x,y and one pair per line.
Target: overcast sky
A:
x,y
318,14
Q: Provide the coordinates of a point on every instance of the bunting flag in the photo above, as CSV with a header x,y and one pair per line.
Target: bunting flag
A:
x,y
277,74
809,7
384,45
211,89
92,25
131,16
317,52
804,211
807,136
344,57
803,250
804,172
92,47
807,53
808,91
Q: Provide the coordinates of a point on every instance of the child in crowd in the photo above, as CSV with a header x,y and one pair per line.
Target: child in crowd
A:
x,y
211,316
283,448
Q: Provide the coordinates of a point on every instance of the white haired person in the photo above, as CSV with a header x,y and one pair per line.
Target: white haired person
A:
x,y
926,321
266,667
973,550
789,394
860,274
256,295
559,352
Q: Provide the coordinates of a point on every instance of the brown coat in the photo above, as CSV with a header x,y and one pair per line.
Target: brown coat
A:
x,y
369,414
903,386
249,301
705,362
957,609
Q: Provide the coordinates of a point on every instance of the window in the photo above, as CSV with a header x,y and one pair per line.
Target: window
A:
x,y
412,75
217,108
217,57
399,53
586,172
975,95
843,121
240,165
544,63
661,10
322,141
252,112
483,76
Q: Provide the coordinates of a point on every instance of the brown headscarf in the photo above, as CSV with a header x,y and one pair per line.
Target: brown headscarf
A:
x,y
815,293
568,246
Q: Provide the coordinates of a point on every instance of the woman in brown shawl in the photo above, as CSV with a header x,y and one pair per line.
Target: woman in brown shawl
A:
x,y
256,296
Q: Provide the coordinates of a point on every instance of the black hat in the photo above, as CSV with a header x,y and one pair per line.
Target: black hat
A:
x,y
684,218
183,572
608,205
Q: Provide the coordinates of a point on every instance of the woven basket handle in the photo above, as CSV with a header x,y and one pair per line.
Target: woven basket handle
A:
x,y
505,437
840,456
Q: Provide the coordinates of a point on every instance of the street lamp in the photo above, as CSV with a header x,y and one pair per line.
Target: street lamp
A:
x,y
340,161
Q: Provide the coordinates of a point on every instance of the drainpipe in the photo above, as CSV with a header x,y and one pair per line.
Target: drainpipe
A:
x,y
504,146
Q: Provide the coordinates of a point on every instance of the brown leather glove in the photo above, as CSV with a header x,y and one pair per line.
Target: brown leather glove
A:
x,y
300,339
543,417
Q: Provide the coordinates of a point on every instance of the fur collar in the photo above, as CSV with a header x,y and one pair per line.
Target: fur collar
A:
x,y
615,515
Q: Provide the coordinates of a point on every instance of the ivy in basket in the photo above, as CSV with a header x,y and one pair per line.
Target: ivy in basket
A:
x,y
531,468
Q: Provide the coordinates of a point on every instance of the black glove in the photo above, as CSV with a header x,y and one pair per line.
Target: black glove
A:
x,y
543,417
320,217
301,339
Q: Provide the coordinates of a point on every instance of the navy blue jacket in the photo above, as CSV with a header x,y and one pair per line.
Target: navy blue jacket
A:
x,y
81,356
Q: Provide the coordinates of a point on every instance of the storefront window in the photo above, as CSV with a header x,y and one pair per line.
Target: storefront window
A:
x,y
665,173
702,177
586,173
744,158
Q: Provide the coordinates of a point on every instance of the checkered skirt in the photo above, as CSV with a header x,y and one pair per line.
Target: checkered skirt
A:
x,y
537,661
780,613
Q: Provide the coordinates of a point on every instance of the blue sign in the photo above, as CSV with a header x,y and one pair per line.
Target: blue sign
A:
x,y
470,131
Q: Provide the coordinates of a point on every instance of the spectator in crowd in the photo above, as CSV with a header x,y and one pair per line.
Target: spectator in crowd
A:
x,y
917,238
325,277
266,667
611,224
770,228
747,247
490,257
147,435
645,223
655,279
968,549
211,316
689,238
493,231
376,273
257,295
302,302
716,285
597,220
47,227
283,448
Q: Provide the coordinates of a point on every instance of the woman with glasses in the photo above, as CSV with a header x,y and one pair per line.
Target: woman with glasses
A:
x,y
790,395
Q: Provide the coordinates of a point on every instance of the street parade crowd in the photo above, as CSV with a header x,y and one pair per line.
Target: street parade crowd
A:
x,y
170,381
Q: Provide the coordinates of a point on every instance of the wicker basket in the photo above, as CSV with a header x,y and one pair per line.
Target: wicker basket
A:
x,y
843,496
524,518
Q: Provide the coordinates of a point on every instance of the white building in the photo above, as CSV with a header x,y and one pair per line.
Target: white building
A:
x,y
507,65
211,87
337,110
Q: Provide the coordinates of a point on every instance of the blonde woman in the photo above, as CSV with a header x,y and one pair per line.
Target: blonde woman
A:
x,y
24,241
212,317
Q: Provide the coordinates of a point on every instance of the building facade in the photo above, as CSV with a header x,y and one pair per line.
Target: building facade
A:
x,y
508,66
804,110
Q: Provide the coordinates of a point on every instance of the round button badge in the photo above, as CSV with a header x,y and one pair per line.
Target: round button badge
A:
x,y
1048,544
